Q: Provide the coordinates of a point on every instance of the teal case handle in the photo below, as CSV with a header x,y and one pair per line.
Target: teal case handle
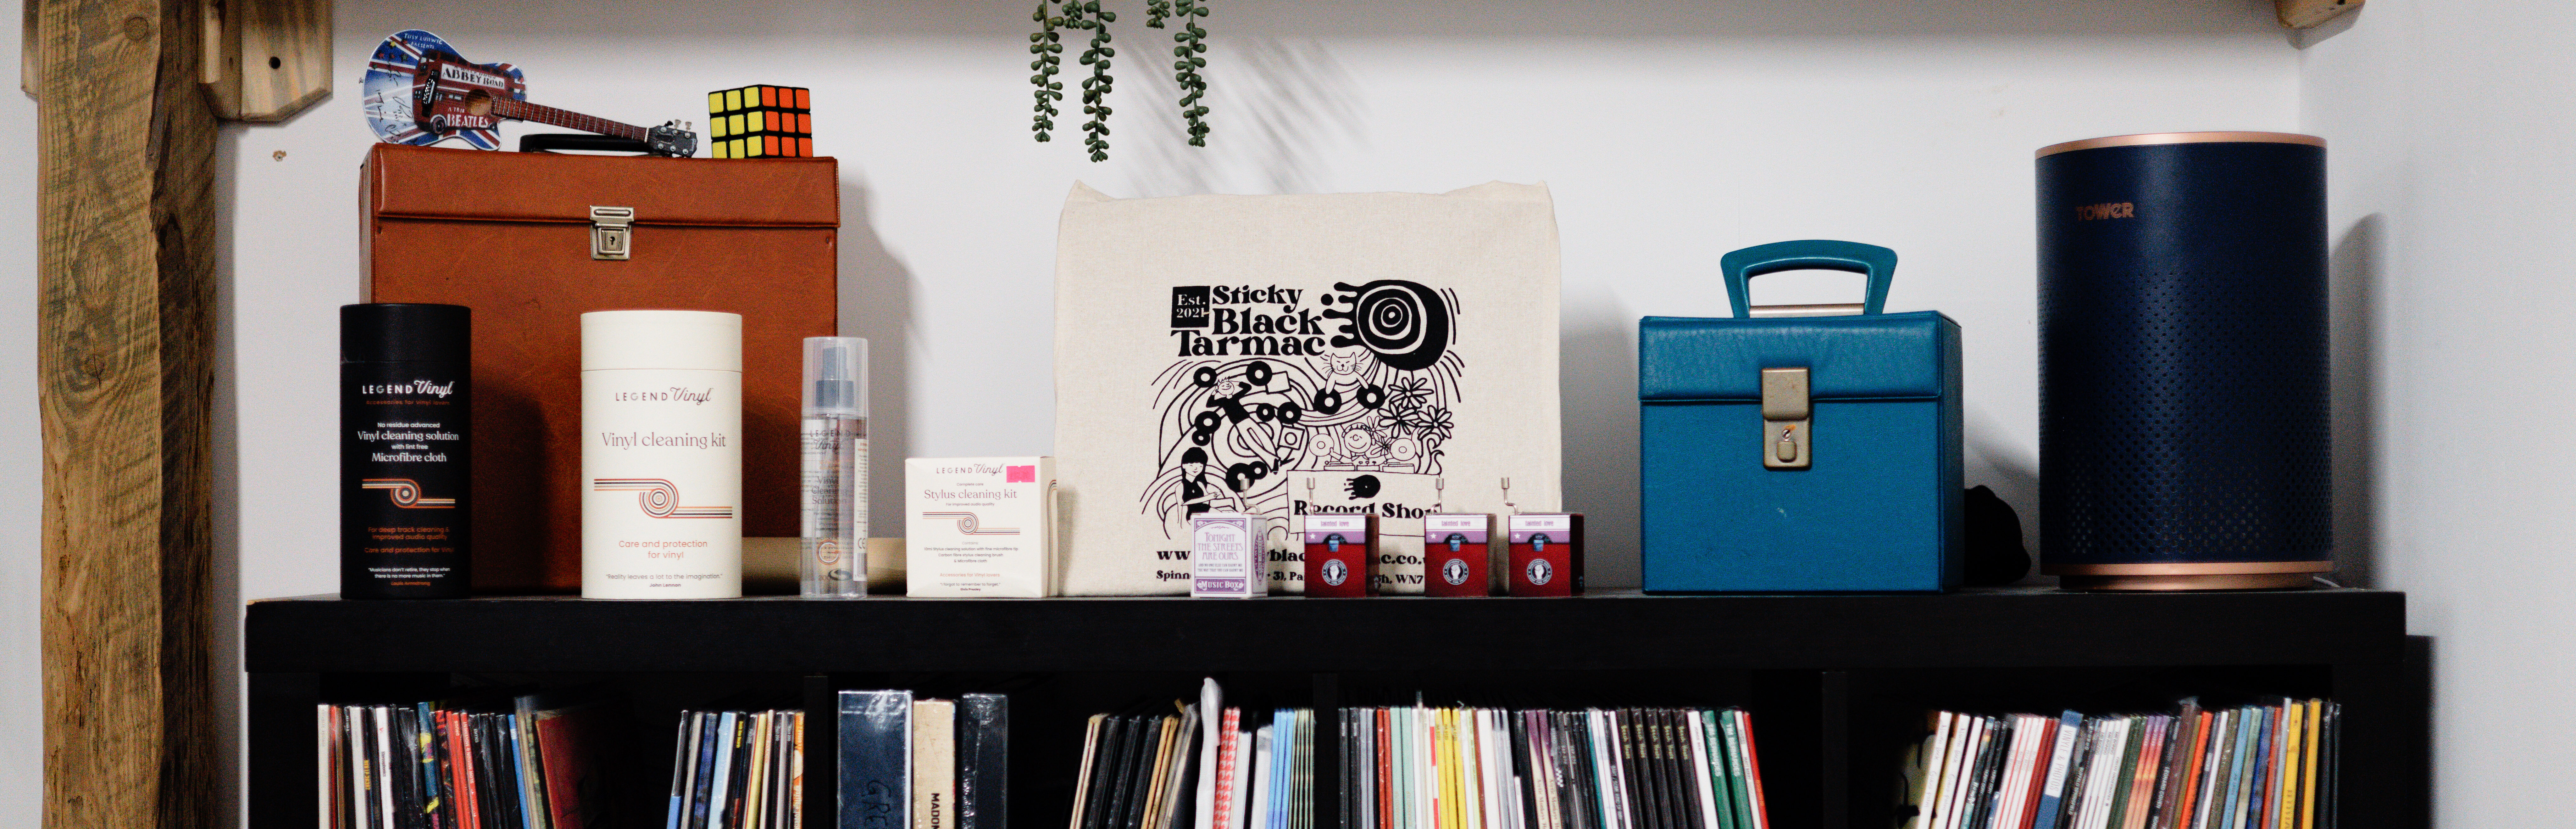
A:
x,y
1741,266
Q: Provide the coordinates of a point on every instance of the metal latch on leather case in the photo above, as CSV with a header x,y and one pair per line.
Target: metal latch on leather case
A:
x,y
612,232
1786,417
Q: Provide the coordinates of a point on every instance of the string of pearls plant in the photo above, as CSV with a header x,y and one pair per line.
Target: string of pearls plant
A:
x,y
1047,44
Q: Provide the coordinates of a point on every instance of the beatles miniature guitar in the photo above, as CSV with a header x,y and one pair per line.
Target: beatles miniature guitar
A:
x,y
419,91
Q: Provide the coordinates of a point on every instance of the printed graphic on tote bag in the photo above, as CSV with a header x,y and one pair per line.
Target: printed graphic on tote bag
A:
x,y
1272,385
1335,354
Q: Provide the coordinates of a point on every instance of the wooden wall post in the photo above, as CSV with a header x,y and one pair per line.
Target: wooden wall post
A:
x,y
125,273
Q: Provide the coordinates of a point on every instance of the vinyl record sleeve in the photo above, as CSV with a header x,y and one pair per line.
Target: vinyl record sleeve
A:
x,y
1109,791
934,764
1082,784
875,789
983,761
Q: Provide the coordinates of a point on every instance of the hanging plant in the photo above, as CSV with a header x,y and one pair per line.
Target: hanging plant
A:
x,y
1047,44
1193,43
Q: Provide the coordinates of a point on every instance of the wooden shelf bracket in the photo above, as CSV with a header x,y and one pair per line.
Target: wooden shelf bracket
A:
x,y
266,60
2303,14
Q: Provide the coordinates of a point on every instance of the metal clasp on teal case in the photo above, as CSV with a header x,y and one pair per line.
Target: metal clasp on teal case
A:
x,y
1740,266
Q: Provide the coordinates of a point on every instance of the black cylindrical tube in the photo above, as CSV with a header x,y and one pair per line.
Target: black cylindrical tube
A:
x,y
404,451
2183,367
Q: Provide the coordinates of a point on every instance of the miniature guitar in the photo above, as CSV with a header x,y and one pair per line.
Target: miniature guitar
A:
x,y
419,91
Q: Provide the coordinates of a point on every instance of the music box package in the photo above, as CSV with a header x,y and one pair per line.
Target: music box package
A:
x,y
1458,554
980,528
1227,558
1801,448
1546,554
1341,556
1369,343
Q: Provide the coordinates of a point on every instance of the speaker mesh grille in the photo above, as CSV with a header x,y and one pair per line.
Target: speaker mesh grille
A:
x,y
2184,418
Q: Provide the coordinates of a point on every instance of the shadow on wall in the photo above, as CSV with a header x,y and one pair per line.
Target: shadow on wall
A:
x,y
1285,103
1597,387
1995,460
876,303
2354,271
224,559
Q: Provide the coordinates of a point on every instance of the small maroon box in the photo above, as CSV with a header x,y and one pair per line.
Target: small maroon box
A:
x,y
1457,554
1341,556
1547,554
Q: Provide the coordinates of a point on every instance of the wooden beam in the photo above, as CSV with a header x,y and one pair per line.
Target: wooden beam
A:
x,y
125,295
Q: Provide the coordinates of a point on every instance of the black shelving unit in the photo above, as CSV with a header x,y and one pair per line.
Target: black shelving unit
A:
x,y
1834,681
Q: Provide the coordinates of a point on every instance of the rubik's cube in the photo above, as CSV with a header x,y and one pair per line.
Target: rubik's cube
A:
x,y
760,122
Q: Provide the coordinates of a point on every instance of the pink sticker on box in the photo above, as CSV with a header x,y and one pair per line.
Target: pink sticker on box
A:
x,y
1020,474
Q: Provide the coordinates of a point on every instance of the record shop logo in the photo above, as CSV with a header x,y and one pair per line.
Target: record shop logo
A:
x,y
1335,572
1540,571
2106,210
1189,306
1454,572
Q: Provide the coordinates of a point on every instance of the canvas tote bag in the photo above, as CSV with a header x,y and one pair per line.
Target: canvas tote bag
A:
x,y
1395,351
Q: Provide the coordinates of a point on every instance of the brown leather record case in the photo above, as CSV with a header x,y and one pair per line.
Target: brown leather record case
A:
x,y
511,234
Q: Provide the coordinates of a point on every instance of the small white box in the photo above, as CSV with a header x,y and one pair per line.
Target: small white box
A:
x,y
1229,556
979,527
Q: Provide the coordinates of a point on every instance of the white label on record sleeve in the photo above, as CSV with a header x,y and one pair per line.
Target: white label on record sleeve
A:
x,y
1456,522
1336,522
1542,522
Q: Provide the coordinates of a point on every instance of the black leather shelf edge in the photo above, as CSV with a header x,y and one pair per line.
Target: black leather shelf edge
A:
x,y
1986,628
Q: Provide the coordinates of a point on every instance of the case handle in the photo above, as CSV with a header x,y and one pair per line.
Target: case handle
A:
x,y
1741,266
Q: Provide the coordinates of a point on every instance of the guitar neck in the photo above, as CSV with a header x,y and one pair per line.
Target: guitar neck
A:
x,y
540,113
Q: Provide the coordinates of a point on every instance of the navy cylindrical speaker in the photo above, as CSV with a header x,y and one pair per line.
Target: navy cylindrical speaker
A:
x,y
2183,420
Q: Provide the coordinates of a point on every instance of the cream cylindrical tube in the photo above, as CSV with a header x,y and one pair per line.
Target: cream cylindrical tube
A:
x,y
661,458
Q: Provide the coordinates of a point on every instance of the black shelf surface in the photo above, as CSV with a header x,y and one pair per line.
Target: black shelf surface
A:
x,y
2008,627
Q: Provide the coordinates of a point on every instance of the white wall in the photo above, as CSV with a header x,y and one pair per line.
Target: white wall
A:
x,y
1670,132
2453,191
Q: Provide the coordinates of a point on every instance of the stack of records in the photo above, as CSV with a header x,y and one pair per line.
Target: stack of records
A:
x,y
1489,768
1208,766
2251,767
487,760
738,770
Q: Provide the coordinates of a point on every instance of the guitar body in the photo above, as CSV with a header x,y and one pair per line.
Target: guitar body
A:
x,y
419,91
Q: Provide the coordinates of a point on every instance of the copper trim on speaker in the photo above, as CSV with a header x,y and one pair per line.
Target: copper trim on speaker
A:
x,y
2216,575
2143,139
2190,568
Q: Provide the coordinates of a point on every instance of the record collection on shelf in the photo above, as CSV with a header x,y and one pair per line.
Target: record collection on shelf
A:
x,y
919,763
1420,767
2261,766
738,770
488,759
